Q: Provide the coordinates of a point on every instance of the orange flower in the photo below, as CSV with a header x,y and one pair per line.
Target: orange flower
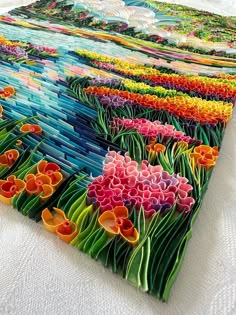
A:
x,y
205,156
200,85
116,222
7,92
1,110
36,129
155,147
182,144
8,158
52,170
59,224
40,184
10,187
202,111
205,149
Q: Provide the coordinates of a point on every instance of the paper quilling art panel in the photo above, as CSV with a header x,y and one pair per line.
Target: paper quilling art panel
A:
x,y
112,118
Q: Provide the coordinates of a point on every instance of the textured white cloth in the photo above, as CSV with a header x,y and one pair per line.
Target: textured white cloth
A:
x,y
40,274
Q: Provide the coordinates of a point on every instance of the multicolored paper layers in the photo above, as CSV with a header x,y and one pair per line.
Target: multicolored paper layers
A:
x,y
111,126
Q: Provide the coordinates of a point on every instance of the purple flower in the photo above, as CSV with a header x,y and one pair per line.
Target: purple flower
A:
x,y
104,81
14,51
114,101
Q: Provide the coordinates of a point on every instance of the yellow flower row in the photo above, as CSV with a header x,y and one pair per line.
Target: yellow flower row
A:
x,y
140,69
7,42
119,63
141,87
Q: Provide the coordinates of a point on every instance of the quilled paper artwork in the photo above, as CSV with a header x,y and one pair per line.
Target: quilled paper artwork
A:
x,y
112,119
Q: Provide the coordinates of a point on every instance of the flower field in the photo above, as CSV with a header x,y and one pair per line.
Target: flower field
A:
x,y
107,138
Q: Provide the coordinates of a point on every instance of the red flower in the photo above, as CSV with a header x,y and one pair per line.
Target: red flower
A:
x,y
59,224
116,222
52,6
11,187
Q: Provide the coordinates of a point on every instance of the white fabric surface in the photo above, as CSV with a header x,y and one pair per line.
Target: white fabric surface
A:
x,y
40,274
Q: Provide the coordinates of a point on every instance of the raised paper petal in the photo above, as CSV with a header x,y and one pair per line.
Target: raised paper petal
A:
x,y
36,129
133,238
106,207
8,189
40,184
53,221
9,157
56,178
8,91
107,220
109,169
202,149
158,147
121,212
207,163
184,190
34,183
12,186
67,231
47,192
47,168
126,226
185,204
215,151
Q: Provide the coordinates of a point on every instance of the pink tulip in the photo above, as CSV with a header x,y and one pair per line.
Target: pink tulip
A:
x,y
131,180
109,169
172,188
149,213
150,129
185,204
184,190
128,163
132,171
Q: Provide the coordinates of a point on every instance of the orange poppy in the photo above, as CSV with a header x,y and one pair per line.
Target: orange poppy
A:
x,y
58,223
36,129
7,92
40,184
52,170
116,222
155,147
10,188
8,158
205,156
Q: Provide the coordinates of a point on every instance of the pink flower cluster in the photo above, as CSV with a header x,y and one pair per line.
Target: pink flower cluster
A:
x,y
151,129
125,183
43,49
104,65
